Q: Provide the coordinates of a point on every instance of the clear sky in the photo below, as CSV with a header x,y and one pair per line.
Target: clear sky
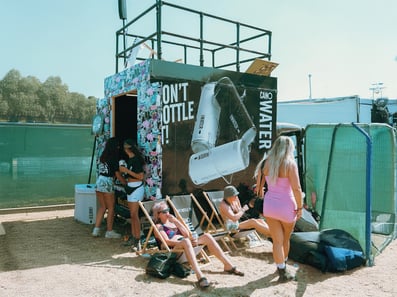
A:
x,y
346,45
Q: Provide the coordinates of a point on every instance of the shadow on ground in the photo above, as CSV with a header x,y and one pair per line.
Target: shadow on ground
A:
x,y
58,241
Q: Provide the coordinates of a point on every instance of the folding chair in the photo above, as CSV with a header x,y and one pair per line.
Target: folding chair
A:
x,y
183,207
214,199
146,208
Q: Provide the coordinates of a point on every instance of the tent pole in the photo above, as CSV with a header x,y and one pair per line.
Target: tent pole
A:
x,y
92,160
368,196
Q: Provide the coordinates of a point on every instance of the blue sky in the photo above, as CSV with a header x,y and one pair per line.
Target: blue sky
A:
x,y
345,45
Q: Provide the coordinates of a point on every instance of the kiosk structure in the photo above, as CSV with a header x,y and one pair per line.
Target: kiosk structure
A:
x,y
198,126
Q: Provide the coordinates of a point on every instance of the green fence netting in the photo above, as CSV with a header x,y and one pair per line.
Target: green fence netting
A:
x,y
335,170
40,164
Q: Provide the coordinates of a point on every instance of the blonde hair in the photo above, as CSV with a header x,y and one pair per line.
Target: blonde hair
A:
x,y
280,157
259,166
156,209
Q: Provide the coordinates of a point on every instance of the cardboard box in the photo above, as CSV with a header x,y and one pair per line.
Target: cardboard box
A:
x,y
261,67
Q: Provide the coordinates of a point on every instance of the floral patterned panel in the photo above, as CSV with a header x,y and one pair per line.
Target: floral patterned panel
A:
x,y
148,120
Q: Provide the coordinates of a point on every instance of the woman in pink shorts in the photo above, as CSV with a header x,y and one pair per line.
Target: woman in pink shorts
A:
x,y
282,204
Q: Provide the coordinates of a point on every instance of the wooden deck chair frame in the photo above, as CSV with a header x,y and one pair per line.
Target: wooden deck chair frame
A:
x,y
214,199
146,207
219,235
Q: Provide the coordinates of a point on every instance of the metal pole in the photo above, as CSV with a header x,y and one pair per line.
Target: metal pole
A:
x,y
201,40
368,195
92,160
310,86
124,43
158,27
238,48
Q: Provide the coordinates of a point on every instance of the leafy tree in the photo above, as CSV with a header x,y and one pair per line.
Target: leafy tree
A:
x,y
52,97
26,98
3,107
9,92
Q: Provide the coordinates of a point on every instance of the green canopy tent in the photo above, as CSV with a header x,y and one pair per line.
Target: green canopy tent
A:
x,y
350,174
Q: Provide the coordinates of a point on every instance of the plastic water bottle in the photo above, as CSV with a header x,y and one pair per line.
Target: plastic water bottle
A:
x,y
195,235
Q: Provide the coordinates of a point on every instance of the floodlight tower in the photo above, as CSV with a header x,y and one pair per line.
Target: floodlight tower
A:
x,y
376,88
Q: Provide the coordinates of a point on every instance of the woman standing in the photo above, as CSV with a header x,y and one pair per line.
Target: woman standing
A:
x,y
108,170
134,175
282,204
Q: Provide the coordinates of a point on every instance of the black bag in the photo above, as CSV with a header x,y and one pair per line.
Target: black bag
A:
x,y
180,270
330,250
161,264
129,190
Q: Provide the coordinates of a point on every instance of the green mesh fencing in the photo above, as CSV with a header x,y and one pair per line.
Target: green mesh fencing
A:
x,y
336,166
40,164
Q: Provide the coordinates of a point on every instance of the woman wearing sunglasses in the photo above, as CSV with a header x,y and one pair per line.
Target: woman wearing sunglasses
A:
x,y
176,235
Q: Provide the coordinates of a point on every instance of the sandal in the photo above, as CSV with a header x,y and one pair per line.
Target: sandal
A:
x,y
203,283
235,271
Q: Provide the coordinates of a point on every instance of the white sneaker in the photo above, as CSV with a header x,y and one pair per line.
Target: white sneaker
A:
x,y
96,232
112,234
136,247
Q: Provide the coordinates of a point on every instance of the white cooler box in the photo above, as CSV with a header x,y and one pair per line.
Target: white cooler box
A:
x,y
85,203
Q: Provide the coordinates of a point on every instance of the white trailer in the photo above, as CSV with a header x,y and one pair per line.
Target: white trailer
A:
x,y
332,110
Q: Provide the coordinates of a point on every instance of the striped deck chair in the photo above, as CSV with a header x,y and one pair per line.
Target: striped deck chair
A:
x,y
214,199
184,207
146,207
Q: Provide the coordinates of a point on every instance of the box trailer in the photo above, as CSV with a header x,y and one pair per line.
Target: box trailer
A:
x,y
198,127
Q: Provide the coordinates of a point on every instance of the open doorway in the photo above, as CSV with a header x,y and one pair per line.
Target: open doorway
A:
x,y
124,125
124,116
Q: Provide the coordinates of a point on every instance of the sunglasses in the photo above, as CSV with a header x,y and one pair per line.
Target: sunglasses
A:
x,y
165,210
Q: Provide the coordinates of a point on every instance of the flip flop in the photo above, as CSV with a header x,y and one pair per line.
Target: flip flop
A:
x,y
235,271
203,283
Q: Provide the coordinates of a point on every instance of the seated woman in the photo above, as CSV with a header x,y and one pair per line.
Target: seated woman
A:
x,y
231,212
176,235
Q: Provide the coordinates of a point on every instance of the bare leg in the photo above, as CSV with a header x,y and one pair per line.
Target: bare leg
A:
x,y
135,223
186,244
277,233
215,249
258,224
287,228
101,210
109,204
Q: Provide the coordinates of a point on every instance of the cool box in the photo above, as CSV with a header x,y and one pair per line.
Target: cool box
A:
x,y
85,207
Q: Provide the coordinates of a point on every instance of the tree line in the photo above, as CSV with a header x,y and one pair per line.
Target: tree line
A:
x,y
26,99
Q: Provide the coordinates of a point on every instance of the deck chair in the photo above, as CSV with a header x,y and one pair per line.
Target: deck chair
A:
x,y
214,199
183,207
146,207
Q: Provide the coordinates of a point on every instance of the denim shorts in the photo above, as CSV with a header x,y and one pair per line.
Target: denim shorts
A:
x,y
105,184
231,226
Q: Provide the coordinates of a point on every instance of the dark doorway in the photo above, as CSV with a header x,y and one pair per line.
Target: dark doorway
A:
x,y
125,111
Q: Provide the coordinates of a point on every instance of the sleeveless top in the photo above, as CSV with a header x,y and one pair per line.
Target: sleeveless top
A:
x,y
279,201
230,224
171,232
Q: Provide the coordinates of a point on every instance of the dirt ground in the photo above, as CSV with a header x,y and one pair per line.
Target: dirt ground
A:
x,y
51,254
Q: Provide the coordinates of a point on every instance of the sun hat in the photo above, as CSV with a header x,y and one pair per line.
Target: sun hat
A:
x,y
230,191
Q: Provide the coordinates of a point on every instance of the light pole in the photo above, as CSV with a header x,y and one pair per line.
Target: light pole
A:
x,y
310,86
377,88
